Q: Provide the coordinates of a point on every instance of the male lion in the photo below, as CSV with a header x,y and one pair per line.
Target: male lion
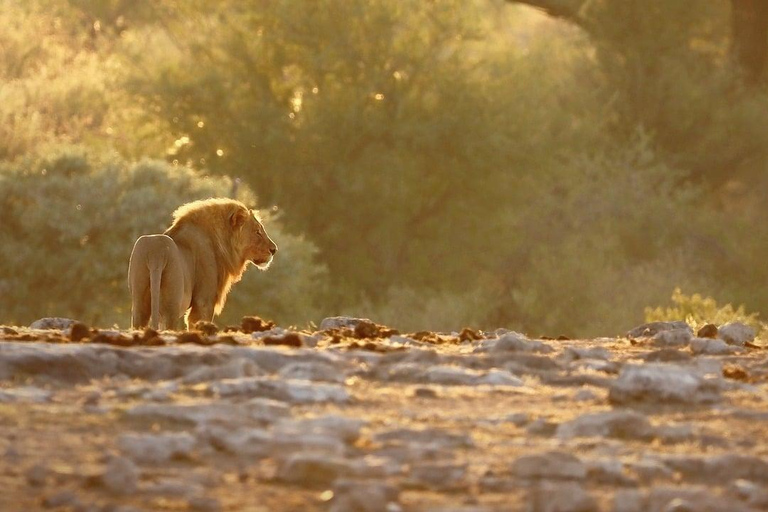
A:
x,y
192,266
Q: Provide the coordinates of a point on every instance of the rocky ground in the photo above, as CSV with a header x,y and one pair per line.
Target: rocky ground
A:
x,y
356,417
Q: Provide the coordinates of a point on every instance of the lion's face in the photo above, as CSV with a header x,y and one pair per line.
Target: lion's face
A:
x,y
258,248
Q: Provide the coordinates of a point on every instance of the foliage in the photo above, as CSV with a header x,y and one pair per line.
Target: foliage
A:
x,y
698,311
70,219
441,164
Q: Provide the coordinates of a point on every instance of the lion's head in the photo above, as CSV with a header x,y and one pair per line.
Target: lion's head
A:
x,y
255,244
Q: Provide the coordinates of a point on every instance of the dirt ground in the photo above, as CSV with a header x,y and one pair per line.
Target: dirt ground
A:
x,y
358,417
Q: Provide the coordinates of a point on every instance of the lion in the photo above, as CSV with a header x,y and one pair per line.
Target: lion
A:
x,y
192,266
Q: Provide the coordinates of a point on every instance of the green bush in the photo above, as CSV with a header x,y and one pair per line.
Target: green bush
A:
x,y
70,220
698,311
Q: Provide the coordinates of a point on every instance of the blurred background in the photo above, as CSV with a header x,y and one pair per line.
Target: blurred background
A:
x,y
553,166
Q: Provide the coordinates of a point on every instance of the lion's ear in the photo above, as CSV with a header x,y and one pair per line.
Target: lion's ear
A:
x,y
237,218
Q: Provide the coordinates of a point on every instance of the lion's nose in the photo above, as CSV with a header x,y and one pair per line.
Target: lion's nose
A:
x,y
273,250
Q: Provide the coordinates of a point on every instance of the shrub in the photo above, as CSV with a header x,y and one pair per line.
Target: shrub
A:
x,y
70,220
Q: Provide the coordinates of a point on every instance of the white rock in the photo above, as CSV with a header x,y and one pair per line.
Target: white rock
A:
x,y
340,427
364,496
660,382
294,391
341,322
156,448
736,333
302,370
25,394
713,347
513,342
500,378
52,323
651,329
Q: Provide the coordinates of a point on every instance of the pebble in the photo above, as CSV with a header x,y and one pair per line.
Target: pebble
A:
x,y
712,347
623,424
364,496
156,448
560,497
549,465
121,476
736,333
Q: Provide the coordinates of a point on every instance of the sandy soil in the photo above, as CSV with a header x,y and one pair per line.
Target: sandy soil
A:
x,y
359,418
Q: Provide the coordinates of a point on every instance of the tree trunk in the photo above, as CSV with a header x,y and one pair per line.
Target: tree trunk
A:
x,y
749,25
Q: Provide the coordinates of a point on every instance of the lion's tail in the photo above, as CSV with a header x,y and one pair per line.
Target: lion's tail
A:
x,y
155,275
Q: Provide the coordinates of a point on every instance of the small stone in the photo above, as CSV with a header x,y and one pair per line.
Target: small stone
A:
x,y
513,342
500,378
575,353
37,475
651,329
78,331
204,504
312,371
560,497
61,499
8,331
667,355
549,465
52,323
518,419
364,496
207,328
628,500
438,476
121,476
341,322
584,395
736,333
425,393
313,469
156,448
250,324
25,394
672,338
620,424
290,339
707,331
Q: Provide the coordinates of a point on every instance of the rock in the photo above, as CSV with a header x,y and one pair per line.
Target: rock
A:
x,y
341,322
8,331
584,395
173,488
235,369
649,469
667,355
26,394
37,475
121,476
312,371
156,448
250,324
575,353
608,472
513,342
672,338
433,437
294,391
707,331
451,375
52,323
319,470
78,331
518,419
542,427
690,499
203,504
712,347
651,329
61,499
438,476
560,497
345,429
257,409
364,496
620,424
663,383
550,465
289,339
628,500
500,378
736,333
755,495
